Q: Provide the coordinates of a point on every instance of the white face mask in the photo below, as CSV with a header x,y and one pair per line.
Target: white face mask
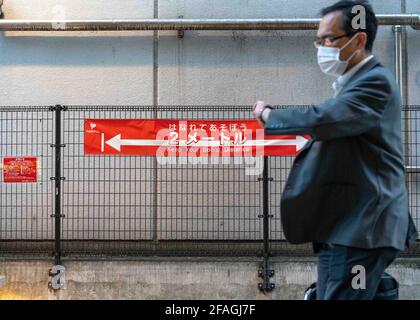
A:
x,y
329,60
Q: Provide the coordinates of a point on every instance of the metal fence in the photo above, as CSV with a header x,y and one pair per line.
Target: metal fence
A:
x,y
117,206
25,222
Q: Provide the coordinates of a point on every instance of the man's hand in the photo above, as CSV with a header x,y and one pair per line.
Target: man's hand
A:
x,y
259,108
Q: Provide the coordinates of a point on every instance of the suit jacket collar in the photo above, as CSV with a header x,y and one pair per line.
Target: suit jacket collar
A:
x,y
368,66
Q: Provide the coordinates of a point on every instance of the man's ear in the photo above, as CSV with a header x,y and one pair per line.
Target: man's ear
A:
x,y
362,40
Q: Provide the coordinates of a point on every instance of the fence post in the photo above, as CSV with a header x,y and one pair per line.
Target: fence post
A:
x,y
57,272
265,271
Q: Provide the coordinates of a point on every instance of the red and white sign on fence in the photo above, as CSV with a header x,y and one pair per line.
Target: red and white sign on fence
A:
x,y
19,170
185,138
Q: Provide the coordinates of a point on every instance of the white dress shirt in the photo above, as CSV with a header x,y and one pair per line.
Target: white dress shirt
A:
x,y
342,80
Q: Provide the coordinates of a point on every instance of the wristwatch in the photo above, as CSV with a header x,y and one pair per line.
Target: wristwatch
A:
x,y
261,115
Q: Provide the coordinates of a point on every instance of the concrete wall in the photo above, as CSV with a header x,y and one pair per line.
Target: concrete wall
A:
x,y
76,68
177,280
203,68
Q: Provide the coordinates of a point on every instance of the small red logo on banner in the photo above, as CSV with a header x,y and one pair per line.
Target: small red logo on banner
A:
x,y
20,170
185,138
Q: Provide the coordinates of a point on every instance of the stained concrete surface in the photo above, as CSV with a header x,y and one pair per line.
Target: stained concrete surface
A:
x,y
192,279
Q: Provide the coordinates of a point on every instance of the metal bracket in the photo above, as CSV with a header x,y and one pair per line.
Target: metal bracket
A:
x,y
55,178
55,215
266,179
180,32
266,274
58,107
262,216
397,28
57,146
58,281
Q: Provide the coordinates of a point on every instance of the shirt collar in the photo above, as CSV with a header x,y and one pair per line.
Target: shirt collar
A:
x,y
342,80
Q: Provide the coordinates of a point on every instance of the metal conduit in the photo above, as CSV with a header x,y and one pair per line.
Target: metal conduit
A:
x,y
188,24
400,60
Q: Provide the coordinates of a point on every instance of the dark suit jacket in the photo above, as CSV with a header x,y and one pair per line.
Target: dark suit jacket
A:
x,y
347,185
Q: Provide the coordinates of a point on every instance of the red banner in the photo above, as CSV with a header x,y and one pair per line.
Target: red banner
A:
x,y
20,170
185,138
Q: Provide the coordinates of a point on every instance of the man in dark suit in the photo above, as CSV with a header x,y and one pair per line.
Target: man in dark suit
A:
x,y
346,191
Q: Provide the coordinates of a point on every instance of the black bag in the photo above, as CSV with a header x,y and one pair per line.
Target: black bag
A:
x,y
310,293
388,289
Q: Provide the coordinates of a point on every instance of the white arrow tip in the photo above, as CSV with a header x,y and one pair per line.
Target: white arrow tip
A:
x,y
300,142
115,142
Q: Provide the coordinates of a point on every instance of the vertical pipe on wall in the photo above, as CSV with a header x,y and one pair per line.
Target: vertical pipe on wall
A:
x,y
400,60
401,72
404,59
155,116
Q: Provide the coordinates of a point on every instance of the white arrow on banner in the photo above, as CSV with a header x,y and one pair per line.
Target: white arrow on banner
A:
x,y
116,143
